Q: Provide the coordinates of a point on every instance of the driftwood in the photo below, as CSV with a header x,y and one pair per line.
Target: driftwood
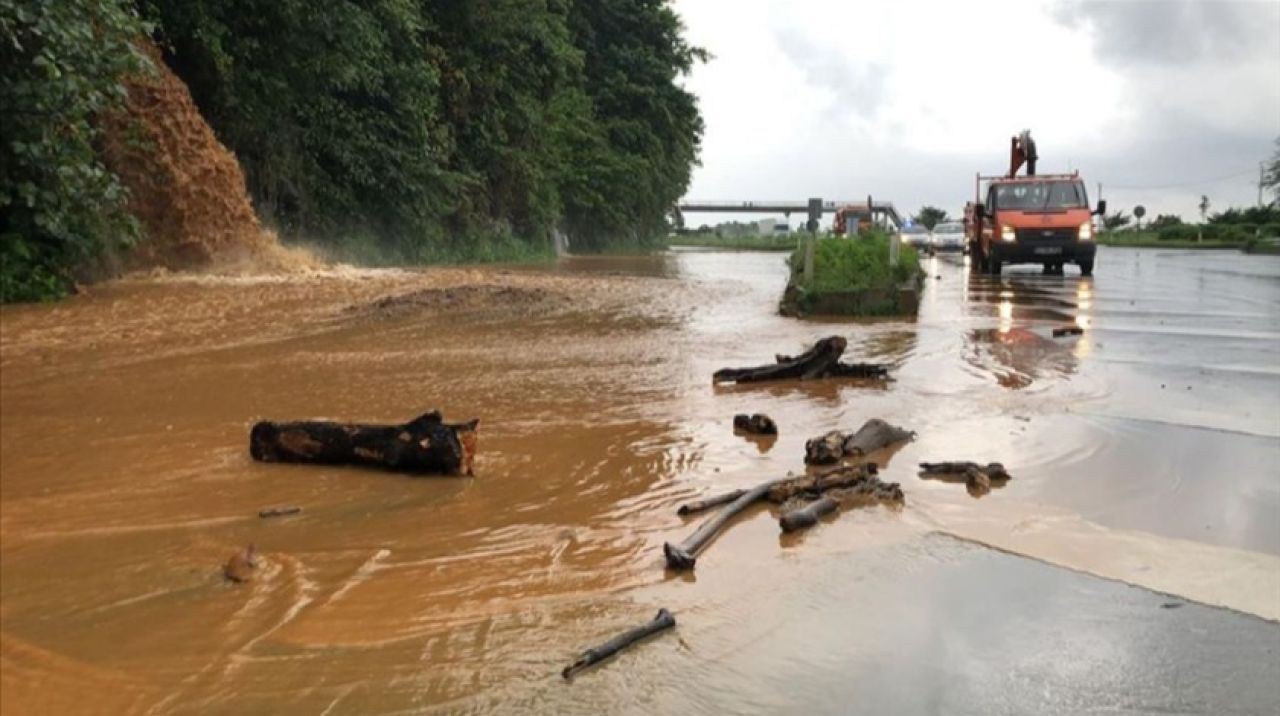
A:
x,y
807,516
685,554
757,424
664,620
820,361
690,508
279,511
845,484
425,444
977,479
835,446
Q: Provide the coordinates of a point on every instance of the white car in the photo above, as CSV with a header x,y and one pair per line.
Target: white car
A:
x,y
949,236
916,236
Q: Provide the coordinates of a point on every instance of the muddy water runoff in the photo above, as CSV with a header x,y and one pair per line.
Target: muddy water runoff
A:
x,y
1144,453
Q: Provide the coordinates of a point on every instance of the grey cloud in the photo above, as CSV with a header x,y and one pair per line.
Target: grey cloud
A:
x,y
1177,32
858,89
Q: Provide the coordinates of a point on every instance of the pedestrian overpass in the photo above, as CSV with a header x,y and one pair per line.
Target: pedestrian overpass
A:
x,y
883,213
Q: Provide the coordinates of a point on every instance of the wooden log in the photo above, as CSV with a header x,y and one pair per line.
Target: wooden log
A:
x,y
813,363
685,554
424,445
993,470
707,503
757,424
663,621
807,516
279,511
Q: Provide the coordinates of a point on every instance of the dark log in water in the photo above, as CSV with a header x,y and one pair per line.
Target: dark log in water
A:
x,y
993,470
685,554
663,621
807,516
279,511
851,483
821,361
757,424
690,508
425,444
977,479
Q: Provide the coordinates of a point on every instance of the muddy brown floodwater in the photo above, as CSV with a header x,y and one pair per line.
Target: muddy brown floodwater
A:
x,y
1136,560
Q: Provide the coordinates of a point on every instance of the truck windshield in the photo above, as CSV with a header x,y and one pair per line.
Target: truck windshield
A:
x,y
1047,195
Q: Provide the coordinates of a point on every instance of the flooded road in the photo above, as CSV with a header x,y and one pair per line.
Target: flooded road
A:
x,y
1144,452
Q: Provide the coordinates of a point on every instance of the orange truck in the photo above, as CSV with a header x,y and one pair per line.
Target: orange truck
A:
x,y
1032,218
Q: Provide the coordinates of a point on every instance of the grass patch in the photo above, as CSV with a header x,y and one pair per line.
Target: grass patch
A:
x,y
841,264
852,277
1152,240
770,242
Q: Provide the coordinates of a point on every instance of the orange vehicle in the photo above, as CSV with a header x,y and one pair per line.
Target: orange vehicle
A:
x,y
1042,219
859,217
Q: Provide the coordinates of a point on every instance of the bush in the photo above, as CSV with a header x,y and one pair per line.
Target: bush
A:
x,y
854,264
59,206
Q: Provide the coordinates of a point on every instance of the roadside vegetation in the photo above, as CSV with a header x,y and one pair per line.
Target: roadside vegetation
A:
x,y
853,264
1251,229
391,131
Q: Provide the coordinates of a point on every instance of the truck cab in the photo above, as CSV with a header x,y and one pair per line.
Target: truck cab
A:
x,y
1042,219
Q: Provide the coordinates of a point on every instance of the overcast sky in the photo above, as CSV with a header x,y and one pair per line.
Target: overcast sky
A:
x,y
1160,101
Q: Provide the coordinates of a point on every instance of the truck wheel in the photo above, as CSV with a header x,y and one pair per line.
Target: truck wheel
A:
x,y
1086,268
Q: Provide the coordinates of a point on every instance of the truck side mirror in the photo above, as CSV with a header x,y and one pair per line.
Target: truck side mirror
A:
x,y
1102,207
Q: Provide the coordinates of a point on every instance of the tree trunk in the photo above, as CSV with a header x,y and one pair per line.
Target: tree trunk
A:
x,y
425,445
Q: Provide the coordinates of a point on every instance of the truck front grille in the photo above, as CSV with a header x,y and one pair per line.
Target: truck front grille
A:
x,y
1050,234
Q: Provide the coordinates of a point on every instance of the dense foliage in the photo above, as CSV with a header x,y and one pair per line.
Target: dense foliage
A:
x,y
59,206
387,130
435,128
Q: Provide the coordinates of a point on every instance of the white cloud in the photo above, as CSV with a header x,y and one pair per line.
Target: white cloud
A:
x,y
907,100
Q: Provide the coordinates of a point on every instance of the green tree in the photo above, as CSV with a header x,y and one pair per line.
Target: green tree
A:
x,y
59,206
1115,220
634,132
1271,174
1163,220
930,216
331,107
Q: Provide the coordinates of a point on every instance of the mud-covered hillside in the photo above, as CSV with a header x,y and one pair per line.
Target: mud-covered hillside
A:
x,y
383,132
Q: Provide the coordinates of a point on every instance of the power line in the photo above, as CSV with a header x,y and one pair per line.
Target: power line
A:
x,y
1246,172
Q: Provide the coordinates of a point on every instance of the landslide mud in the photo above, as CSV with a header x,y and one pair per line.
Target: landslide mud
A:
x,y
185,188
1143,452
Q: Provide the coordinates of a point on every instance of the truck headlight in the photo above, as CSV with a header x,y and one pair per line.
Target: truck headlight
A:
x,y
1007,233
1086,231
